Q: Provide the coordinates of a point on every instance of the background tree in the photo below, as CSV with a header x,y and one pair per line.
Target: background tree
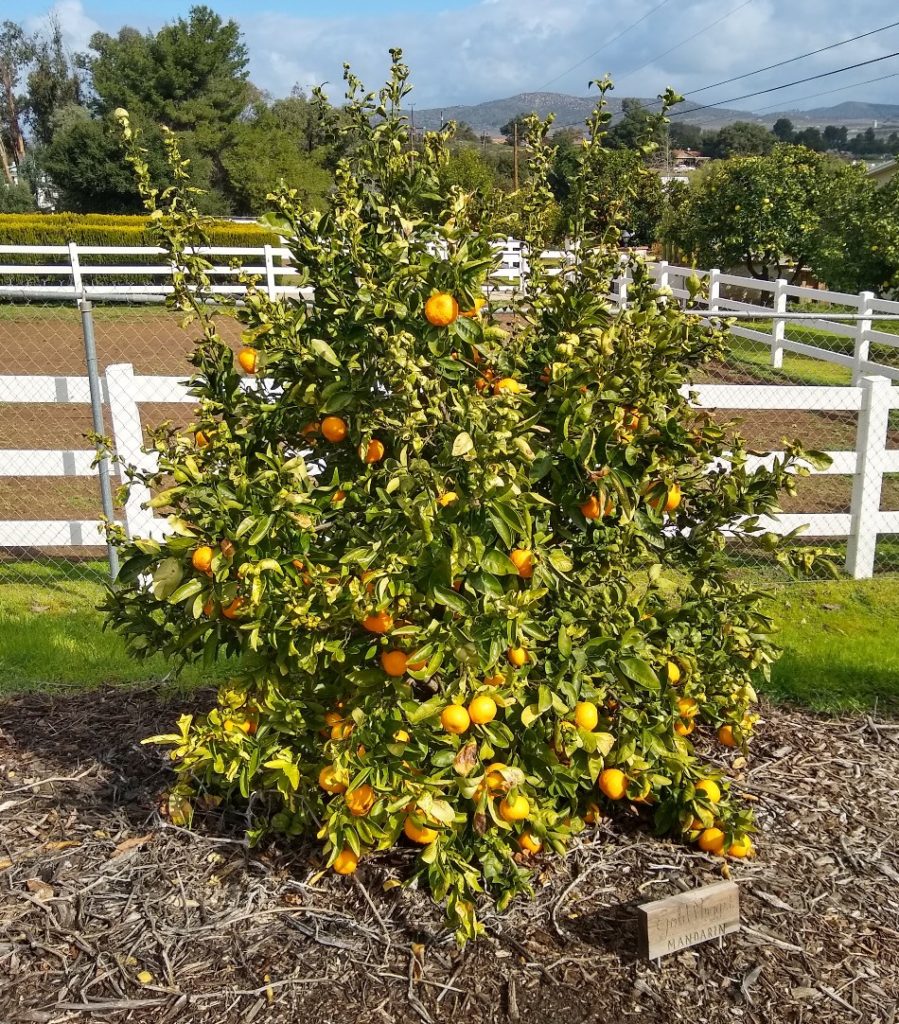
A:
x,y
783,129
762,212
636,127
836,137
16,50
682,135
519,121
53,83
742,138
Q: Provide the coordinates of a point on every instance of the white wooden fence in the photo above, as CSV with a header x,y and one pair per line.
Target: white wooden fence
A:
x,y
78,271
123,392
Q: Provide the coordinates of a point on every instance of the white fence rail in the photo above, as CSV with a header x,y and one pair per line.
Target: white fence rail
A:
x,y
124,391
95,272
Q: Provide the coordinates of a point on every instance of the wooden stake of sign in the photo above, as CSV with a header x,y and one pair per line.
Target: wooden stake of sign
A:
x,y
709,912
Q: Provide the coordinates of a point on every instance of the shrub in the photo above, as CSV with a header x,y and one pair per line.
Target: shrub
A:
x,y
497,593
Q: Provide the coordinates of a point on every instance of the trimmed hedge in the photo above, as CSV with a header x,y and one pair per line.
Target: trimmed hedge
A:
x,y
102,230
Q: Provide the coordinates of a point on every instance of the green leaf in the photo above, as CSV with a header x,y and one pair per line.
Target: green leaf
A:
x,y
564,642
324,351
498,563
463,444
452,600
263,527
640,672
166,578
530,715
560,561
186,590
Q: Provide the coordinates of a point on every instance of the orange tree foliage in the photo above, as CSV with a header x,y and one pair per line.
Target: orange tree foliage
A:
x,y
475,576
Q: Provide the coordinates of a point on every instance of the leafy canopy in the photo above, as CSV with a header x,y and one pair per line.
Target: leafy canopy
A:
x,y
471,570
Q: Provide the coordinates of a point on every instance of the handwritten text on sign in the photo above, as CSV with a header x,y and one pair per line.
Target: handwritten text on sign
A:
x,y
709,912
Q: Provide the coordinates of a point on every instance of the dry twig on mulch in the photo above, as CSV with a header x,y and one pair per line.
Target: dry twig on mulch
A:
x,y
107,913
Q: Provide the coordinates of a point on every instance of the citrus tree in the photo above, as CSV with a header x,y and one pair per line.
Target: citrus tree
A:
x,y
477,577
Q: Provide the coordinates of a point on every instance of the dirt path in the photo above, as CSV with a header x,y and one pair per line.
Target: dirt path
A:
x,y
98,889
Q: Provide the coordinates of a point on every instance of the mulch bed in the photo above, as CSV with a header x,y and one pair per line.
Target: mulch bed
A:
x,y
96,889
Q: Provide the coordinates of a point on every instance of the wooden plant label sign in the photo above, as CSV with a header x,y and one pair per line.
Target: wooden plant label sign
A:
x,y
709,912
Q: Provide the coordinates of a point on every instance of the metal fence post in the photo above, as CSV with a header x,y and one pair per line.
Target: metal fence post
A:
x,y
96,394
779,326
870,446
862,346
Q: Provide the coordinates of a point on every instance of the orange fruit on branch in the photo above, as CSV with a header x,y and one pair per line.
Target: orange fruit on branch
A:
x,y
378,622
201,438
419,833
248,359
374,452
479,304
711,789
726,736
684,726
345,862
482,709
360,800
330,781
394,662
529,843
441,309
523,561
687,707
517,656
514,808
586,715
334,428
740,848
455,719
202,557
613,783
234,609
711,840
509,385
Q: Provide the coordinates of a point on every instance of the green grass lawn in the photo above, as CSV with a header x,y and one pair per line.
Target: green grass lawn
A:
x,y
841,648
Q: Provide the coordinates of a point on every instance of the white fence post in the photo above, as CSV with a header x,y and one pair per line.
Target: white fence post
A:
x,y
75,264
870,446
779,327
714,289
862,347
662,278
128,438
270,273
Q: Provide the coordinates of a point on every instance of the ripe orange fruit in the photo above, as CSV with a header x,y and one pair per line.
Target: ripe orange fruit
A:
x,y
419,833
726,736
741,847
342,730
672,670
330,781
687,707
514,808
711,840
529,843
684,726
311,429
586,715
378,622
333,718
394,662
209,608
509,384
337,497
482,709
493,777
334,428
517,656
447,498
524,562
234,609
201,438
612,782
455,719
401,736
590,509
345,862
495,680
248,359
711,789
672,499
631,417
441,309
360,800
202,557
375,451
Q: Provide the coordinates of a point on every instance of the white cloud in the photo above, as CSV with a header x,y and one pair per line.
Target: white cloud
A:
x,y
77,27
494,48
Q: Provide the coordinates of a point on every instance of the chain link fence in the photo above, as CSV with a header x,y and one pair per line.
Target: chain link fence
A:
x,y
50,495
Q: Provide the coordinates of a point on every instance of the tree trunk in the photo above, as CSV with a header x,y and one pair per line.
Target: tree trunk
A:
x,y
3,159
16,138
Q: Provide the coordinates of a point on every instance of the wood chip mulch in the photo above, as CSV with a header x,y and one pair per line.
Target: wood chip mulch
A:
x,y
107,913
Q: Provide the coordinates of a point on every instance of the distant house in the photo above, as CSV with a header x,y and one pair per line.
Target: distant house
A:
x,y
687,159
883,172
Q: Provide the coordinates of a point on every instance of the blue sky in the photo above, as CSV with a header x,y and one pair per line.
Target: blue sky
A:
x,y
465,51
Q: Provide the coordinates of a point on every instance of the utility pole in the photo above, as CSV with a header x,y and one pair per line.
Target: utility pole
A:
x,y
515,155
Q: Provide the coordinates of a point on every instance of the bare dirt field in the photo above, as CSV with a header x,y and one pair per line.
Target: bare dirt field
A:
x,y
95,889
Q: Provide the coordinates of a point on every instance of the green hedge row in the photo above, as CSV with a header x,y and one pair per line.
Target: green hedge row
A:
x,y
102,230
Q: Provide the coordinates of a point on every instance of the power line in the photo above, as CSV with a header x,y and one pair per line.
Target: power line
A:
x,y
827,92
606,44
786,85
792,60
684,42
